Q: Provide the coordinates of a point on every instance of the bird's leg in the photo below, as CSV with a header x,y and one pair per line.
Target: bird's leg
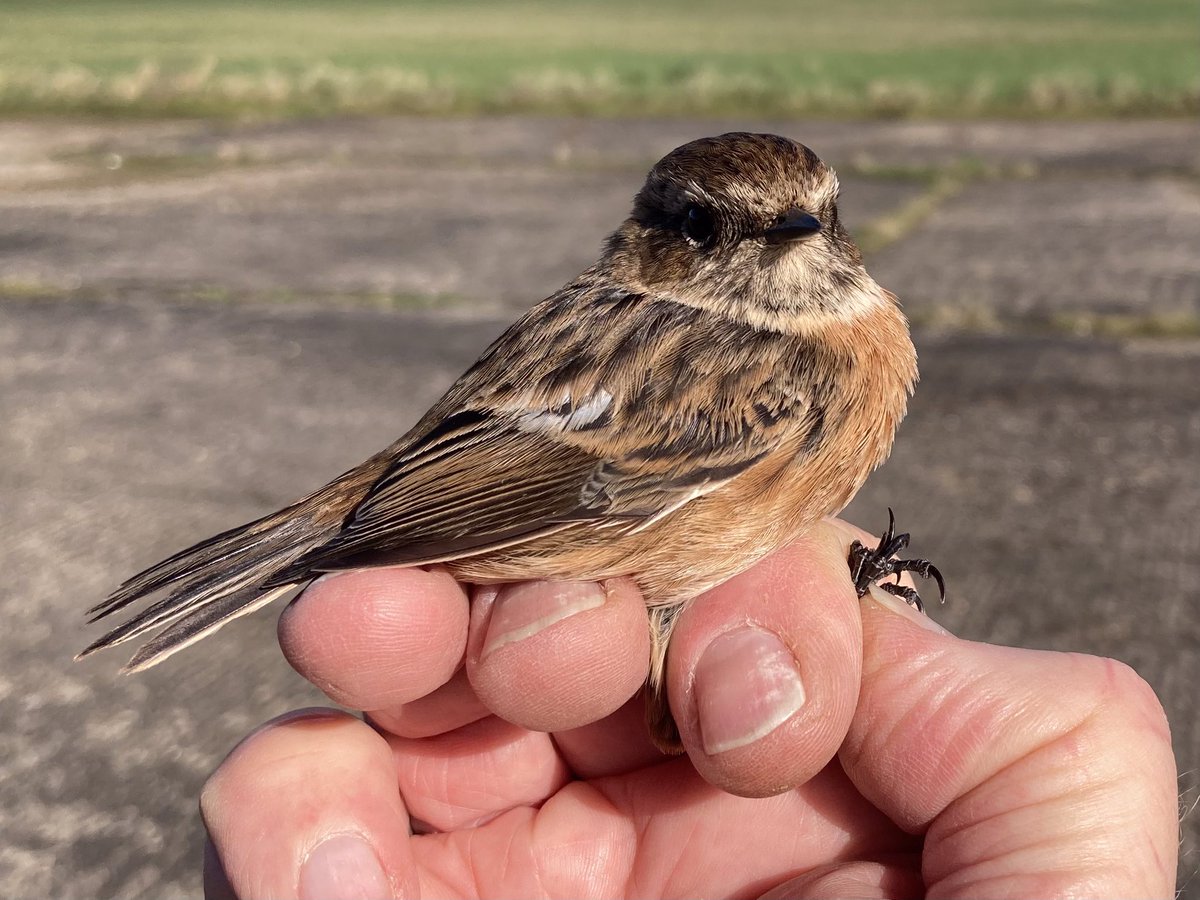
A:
x,y
868,566
664,733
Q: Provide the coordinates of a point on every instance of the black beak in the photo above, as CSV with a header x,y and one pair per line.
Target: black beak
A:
x,y
795,225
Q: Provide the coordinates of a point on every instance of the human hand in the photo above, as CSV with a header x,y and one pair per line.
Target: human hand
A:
x,y
961,768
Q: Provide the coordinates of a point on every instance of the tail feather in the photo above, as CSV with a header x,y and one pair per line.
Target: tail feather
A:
x,y
191,596
200,623
230,574
195,561
214,581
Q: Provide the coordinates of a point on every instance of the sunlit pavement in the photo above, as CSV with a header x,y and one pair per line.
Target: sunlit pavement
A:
x,y
187,341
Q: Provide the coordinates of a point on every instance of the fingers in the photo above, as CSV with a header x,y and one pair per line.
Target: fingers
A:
x,y
379,638
451,706
763,671
614,745
557,655
308,807
1032,773
396,642
469,776
659,832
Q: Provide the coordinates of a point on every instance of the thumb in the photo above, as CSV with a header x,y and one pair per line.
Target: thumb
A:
x,y
1031,773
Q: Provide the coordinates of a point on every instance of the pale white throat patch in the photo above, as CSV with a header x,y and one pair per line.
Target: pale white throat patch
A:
x,y
786,280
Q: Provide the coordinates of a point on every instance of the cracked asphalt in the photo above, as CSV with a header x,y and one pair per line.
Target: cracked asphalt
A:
x,y
200,322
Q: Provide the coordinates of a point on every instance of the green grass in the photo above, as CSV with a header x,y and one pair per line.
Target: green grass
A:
x,y
680,57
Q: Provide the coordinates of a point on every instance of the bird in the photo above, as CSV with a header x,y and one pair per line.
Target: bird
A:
x,y
722,378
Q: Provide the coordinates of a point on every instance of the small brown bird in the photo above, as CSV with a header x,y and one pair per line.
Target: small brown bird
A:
x,y
723,377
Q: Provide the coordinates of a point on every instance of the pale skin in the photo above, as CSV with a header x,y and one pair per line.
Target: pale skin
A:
x,y
898,760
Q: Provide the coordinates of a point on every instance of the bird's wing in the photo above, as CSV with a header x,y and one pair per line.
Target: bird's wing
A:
x,y
609,444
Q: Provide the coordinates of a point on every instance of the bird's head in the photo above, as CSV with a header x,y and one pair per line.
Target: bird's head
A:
x,y
745,225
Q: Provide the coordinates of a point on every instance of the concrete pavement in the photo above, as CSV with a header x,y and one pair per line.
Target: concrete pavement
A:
x,y
187,340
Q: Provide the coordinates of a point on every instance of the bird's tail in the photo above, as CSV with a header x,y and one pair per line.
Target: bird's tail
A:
x,y
221,578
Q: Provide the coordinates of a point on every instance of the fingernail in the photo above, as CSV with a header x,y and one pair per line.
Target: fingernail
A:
x,y
895,604
747,685
522,610
343,867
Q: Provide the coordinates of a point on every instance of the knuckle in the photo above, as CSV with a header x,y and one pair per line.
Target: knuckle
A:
x,y
212,796
268,747
1127,696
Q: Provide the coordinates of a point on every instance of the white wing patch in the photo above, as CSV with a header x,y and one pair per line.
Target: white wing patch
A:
x,y
566,414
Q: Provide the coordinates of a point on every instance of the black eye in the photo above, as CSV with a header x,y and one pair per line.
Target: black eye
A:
x,y
699,225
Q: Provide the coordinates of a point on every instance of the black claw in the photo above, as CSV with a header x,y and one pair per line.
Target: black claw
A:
x,y
891,543
869,567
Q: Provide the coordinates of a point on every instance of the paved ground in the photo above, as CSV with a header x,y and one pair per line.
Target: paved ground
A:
x,y
1052,476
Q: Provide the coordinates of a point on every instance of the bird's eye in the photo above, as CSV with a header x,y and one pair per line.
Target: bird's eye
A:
x,y
698,225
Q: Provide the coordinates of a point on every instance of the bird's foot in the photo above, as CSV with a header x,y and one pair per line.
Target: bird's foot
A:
x,y
868,566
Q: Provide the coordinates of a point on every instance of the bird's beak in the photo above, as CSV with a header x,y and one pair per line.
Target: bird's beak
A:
x,y
794,225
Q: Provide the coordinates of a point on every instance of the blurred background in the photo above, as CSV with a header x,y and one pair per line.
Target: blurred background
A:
x,y
243,245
